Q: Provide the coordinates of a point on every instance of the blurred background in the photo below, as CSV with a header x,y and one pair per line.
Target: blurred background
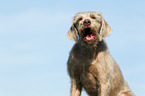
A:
x,y
34,49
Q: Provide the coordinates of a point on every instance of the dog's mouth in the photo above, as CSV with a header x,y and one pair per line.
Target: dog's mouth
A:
x,y
88,34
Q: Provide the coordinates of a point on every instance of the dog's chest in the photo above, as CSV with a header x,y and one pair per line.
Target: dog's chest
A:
x,y
90,83
79,64
87,78
81,69
81,61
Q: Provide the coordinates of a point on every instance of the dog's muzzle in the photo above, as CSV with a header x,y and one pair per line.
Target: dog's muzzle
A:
x,y
88,33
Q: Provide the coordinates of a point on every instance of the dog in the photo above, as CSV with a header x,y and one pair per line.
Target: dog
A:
x,y
90,65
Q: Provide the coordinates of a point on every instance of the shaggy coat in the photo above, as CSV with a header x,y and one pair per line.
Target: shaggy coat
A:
x,y
90,65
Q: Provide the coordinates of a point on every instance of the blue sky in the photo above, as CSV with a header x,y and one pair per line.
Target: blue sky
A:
x,y
34,48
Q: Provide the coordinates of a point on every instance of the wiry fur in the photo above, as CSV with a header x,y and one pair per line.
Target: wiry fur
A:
x,y
90,64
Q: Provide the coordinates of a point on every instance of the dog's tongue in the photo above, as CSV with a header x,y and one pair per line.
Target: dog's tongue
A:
x,y
90,37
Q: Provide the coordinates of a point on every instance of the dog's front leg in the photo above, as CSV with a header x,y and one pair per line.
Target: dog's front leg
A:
x,y
104,89
76,88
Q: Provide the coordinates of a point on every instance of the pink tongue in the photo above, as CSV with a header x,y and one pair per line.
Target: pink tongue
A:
x,y
91,37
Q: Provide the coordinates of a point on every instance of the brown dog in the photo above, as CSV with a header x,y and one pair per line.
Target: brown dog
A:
x,y
90,65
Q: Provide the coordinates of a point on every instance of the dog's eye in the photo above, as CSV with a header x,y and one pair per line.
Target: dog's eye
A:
x,y
93,17
80,19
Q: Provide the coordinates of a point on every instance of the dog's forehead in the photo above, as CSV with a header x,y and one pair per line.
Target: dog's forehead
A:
x,y
87,14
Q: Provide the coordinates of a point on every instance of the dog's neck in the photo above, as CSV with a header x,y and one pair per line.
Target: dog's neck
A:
x,y
88,47
92,50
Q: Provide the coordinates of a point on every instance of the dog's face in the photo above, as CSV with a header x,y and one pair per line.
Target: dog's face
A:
x,y
89,28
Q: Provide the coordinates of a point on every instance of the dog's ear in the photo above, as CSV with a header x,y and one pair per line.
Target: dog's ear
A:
x,y
72,34
105,29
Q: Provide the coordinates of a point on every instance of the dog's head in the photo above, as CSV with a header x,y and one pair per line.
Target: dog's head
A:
x,y
89,28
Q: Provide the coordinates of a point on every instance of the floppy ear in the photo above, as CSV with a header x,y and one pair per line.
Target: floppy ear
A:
x,y
72,34
105,30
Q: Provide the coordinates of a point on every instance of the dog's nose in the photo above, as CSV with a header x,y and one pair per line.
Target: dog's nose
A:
x,y
87,22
